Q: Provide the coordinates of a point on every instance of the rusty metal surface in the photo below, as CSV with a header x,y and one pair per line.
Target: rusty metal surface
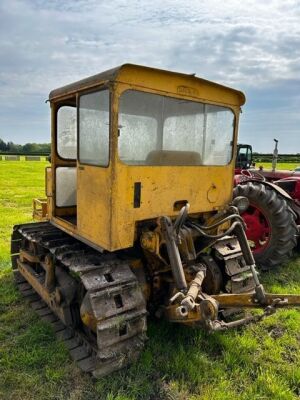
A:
x,y
228,247
110,274
37,284
115,300
241,279
96,304
40,209
249,300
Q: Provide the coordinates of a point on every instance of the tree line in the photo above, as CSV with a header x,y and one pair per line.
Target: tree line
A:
x,y
28,148
287,158
45,149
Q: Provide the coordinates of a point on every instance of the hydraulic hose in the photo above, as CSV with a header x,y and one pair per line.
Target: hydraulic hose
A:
x,y
222,221
182,216
220,235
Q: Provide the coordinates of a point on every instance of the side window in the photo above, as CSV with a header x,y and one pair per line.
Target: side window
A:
x,y
67,132
94,128
66,186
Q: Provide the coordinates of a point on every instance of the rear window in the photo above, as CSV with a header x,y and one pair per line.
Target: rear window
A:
x,y
160,130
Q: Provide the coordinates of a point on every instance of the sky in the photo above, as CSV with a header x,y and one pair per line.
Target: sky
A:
x,y
251,45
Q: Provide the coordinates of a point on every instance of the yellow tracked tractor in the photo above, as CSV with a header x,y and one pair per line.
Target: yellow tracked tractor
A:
x,y
139,215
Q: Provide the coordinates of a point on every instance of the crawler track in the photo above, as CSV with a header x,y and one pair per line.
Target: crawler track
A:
x,y
102,284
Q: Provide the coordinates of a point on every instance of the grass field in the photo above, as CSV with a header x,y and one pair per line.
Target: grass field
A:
x,y
257,362
290,166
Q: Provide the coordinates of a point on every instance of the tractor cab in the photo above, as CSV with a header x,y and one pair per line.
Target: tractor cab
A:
x,y
244,157
127,145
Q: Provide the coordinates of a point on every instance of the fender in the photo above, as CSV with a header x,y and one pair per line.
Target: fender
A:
x,y
278,189
293,203
292,186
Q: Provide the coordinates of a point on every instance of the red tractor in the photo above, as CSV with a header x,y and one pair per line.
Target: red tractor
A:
x,y
273,216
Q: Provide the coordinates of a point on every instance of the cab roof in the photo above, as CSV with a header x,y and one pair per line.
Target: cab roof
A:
x,y
137,74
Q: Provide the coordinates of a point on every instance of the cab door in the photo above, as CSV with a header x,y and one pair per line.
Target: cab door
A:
x,y
93,170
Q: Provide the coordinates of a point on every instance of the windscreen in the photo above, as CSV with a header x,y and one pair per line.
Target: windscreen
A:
x,y
161,130
244,156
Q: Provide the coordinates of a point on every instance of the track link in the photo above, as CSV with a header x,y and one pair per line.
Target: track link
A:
x,y
112,297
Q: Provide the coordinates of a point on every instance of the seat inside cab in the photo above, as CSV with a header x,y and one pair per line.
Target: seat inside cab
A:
x,y
173,157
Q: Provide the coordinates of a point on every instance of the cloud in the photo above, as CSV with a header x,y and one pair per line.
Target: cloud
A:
x,y
251,45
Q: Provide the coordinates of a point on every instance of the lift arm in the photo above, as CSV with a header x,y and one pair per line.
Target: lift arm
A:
x,y
249,300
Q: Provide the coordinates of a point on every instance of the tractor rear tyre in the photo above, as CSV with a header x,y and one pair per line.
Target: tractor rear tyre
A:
x,y
270,224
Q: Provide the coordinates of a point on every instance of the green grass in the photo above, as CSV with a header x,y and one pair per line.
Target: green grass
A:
x,y
257,362
289,166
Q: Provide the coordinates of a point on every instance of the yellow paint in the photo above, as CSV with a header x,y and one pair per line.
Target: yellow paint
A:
x,y
106,217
